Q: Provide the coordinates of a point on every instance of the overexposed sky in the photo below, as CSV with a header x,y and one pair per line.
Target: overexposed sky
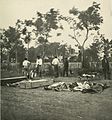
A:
x,y
11,10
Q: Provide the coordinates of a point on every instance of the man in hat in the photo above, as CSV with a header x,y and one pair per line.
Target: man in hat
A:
x,y
26,65
55,63
65,67
39,66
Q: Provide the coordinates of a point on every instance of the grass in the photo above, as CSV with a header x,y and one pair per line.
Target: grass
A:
x,y
38,104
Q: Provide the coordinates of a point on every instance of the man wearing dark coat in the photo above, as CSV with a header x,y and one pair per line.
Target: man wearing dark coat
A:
x,y
65,67
105,66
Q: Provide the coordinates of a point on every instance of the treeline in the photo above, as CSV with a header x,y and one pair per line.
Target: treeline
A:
x,y
40,30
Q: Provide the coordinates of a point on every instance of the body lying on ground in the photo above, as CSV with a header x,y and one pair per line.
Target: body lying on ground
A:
x,y
84,87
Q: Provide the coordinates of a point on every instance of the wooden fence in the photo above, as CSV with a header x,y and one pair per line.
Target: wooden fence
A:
x,y
47,65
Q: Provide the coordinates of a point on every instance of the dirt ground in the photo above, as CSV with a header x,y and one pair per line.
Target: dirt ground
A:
x,y
38,104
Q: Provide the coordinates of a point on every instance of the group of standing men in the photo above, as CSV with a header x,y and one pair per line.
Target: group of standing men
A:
x,y
56,63
38,65
26,67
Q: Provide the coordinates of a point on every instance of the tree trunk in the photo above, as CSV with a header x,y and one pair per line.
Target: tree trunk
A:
x,y
27,52
1,53
8,56
44,45
82,56
82,47
16,58
43,50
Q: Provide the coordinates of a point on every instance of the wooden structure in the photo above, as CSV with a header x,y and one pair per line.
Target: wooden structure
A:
x,y
5,81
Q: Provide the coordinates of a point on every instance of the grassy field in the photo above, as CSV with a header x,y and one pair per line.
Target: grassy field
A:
x,y
38,104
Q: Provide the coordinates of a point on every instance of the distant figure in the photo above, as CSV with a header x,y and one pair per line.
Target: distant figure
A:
x,y
26,65
55,63
39,66
105,66
65,67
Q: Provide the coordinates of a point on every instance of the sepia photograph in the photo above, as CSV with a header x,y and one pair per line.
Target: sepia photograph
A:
x,y
56,59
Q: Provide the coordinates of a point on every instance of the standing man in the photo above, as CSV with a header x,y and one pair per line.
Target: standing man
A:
x,y
105,66
55,63
39,66
26,65
65,67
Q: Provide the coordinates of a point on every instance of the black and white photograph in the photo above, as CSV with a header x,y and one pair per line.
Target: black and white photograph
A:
x,y
56,59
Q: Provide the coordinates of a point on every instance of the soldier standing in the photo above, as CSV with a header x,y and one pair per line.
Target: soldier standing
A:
x,y
105,66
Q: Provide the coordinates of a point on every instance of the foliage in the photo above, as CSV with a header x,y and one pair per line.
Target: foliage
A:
x,y
88,20
100,46
46,22
106,45
11,44
32,54
10,38
94,50
85,21
22,27
51,50
42,25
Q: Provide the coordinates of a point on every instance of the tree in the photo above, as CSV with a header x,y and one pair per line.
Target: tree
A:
x,y
11,42
94,50
44,24
88,21
100,46
22,27
1,45
51,49
106,45
32,54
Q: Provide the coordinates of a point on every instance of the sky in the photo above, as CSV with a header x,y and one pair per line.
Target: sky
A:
x,y
11,10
